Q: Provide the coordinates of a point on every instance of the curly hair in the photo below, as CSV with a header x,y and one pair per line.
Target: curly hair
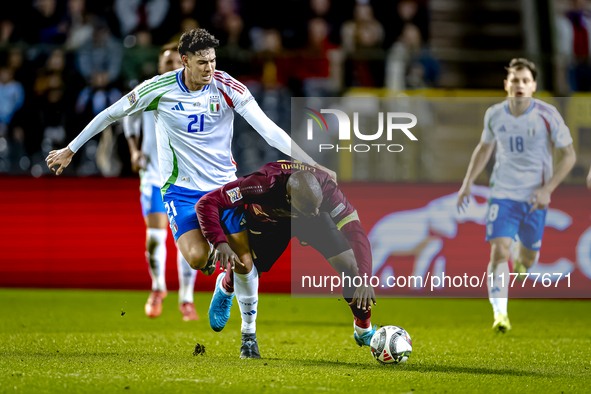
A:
x,y
196,40
521,63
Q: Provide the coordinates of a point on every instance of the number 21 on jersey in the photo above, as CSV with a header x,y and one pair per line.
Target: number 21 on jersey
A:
x,y
196,124
170,207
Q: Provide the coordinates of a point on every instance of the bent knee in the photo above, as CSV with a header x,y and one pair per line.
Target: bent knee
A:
x,y
500,253
196,260
247,267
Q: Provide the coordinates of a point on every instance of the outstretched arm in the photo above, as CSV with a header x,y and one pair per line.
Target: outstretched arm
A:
x,y
364,295
61,158
145,96
278,138
478,161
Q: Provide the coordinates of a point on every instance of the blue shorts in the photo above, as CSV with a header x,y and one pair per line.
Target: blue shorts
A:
x,y
151,200
180,208
508,218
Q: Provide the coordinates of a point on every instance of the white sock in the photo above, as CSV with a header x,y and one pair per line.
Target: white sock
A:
x,y
498,293
156,256
246,287
359,330
187,276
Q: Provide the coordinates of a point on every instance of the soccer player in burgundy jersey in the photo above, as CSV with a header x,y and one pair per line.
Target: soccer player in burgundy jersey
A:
x,y
285,200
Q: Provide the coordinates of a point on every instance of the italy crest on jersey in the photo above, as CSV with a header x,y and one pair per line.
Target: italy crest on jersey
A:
x,y
214,106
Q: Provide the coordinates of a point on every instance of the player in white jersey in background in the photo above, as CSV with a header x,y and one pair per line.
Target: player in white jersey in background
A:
x,y
194,111
145,160
525,131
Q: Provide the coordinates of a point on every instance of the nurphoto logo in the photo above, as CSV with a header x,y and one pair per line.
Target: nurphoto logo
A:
x,y
392,119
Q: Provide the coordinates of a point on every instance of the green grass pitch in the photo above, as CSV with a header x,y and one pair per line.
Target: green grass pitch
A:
x,y
78,341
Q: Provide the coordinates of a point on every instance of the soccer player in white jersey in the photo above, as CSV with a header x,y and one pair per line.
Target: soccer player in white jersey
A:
x,y
194,111
145,160
525,131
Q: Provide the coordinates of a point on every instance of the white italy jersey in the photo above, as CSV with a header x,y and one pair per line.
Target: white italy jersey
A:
x,y
524,147
194,129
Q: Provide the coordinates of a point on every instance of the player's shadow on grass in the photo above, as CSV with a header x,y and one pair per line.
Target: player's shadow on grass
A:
x,y
421,368
471,370
303,323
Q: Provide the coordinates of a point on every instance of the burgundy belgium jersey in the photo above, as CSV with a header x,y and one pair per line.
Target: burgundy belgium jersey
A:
x,y
265,194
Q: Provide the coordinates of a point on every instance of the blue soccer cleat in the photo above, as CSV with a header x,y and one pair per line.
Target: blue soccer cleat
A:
x,y
221,304
365,338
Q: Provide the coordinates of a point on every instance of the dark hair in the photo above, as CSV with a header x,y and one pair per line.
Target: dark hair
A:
x,y
196,40
171,46
521,63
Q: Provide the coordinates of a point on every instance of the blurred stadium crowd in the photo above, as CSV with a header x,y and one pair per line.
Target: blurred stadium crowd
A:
x,y
64,61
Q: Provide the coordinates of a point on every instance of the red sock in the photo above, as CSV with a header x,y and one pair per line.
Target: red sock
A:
x,y
363,323
228,281
362,318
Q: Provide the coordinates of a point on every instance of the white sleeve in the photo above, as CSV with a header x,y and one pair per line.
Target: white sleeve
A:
x,y
273,134
139,99
132,125
98,124
560,132
487,133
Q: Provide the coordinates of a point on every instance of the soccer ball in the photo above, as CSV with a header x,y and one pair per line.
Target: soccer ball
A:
x,y
391,345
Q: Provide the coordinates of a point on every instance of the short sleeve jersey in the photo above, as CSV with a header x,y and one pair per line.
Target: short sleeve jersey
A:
x,y
524,147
